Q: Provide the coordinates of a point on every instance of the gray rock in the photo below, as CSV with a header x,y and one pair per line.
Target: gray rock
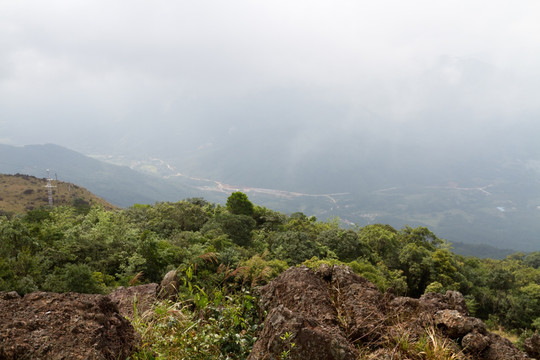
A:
x,y
455,325
168,288
474,342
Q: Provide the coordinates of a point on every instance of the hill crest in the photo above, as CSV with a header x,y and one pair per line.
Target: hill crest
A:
x,y
20,193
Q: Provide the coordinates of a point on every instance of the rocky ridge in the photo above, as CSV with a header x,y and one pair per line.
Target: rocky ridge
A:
x,y
332,313
329,313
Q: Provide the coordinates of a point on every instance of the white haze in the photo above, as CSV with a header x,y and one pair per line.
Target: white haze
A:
x,y
166,78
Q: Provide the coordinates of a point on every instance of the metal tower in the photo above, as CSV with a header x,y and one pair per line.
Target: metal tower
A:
x,y
49,187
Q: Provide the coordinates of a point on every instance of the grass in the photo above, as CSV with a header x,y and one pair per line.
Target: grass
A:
x,y
224,328
19,193
514,338
430,346
404,346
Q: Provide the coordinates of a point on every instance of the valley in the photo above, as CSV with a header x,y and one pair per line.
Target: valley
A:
x,y
480,213
483,213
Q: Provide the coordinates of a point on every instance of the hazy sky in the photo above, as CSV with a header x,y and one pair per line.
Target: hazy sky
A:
x,y
85,74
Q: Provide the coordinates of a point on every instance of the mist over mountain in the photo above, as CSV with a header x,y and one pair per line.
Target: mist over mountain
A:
x,y
421,113
496,210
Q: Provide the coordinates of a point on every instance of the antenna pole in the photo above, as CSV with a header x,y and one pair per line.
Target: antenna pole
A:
x,y
49,187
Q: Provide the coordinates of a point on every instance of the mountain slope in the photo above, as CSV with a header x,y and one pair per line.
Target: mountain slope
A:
x,y
19,193
119,185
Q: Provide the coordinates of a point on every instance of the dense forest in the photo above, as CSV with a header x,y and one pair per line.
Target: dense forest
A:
x,y
224,252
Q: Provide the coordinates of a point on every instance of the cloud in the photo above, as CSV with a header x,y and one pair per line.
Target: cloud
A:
x,y
116,67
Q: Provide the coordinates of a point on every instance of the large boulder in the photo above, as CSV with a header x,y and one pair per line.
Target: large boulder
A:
x,y
359,304
456,325
451,300
301,312
332,312
63,326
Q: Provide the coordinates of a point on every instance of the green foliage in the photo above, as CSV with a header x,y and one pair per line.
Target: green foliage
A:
x,y
382,240
288,344
37,215
74,278
225,328
434,287
344,243
222,250
152,264
533,260
293,247
269,220
165,218
417,265
239,204
258,271
237,227
381,275
81,206
314,263
378,274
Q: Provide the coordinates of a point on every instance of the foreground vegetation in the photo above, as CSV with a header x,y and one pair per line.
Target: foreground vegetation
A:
x,y
224,252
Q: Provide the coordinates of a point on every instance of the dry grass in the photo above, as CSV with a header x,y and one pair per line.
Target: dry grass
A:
x,y
502,333
403,346
19,193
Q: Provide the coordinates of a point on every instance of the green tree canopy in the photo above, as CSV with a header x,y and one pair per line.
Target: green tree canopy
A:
x,y
239,204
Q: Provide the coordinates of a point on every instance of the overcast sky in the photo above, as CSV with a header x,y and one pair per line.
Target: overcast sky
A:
x,y
87,73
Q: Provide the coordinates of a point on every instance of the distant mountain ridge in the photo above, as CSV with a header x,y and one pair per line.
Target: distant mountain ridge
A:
x,y
118,185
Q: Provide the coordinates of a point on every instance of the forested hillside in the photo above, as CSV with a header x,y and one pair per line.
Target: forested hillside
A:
x,y
224,252
483,215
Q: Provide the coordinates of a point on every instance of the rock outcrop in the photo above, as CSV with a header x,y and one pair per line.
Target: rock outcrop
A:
x,y
168,288
532,346
63,326
332,313
134,299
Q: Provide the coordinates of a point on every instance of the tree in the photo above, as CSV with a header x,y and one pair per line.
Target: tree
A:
x,y
344,243
269,220
417,265
533,260
237,227
293,247
383,240
239,204
73,277
166,218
